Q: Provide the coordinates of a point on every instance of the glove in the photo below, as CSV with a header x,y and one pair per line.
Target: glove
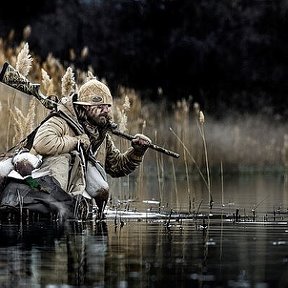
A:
x,y
140,143
84,141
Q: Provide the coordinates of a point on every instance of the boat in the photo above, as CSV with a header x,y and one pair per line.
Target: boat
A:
x,y
37,195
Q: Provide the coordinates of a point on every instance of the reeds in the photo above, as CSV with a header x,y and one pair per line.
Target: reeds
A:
x,y
68,84
233,139
200,124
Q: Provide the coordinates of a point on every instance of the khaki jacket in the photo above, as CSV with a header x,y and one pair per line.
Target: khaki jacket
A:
x,y
56,141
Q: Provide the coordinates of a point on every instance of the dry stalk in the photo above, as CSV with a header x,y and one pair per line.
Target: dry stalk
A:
x,y
46,82
191,156
122,119
200,124
191,203
222,184
159,165
175,182
23,125
140,181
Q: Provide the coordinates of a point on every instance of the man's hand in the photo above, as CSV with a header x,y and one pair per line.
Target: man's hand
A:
x,y
140,143
84,140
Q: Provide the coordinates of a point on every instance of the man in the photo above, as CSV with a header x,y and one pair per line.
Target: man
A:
x,y
77,148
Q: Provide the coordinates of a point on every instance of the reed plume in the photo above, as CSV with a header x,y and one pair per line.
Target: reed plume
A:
x,y
122,114
84,52
11,35
24,61
72,54
27,32
68,83
47,82
23,125
200,125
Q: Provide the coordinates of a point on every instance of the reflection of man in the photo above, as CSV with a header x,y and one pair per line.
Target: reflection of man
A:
x,y
78,150
86,255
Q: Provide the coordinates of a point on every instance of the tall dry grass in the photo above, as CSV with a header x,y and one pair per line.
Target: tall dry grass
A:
x,y
243,143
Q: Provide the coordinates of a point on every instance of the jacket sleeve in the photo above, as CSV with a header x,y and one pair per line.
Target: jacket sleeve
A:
x,y
54,137
119,164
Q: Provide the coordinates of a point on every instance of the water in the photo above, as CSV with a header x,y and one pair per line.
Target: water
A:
x,y
241,242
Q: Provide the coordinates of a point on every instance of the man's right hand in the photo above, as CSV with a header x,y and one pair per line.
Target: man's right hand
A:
x,y
84,140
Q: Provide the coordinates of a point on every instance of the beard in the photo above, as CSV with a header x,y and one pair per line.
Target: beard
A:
x,y
100,121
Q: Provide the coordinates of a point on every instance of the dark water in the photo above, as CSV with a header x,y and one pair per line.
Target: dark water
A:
x,y
241,242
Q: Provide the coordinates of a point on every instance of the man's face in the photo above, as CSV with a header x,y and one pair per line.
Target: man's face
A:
x,y
98,114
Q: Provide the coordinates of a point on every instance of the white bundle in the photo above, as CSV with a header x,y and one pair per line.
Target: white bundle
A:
x,y
34,160
6,166
96,180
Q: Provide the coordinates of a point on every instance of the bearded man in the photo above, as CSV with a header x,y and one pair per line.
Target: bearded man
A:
x,y
76,146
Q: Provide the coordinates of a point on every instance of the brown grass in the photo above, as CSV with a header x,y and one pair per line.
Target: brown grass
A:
x,y
239,143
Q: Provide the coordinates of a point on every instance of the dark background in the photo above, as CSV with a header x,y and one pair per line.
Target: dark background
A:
x,y
225,54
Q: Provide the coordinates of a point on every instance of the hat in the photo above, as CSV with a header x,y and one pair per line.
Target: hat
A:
x,y
94,92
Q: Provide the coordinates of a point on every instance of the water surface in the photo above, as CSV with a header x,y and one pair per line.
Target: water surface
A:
x,y
154,238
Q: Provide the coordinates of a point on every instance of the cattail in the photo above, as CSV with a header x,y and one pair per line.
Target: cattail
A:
x,y
27,32
126,105
84,52
196,108
68,82
72,54
24,61
11,35
201,118
160,91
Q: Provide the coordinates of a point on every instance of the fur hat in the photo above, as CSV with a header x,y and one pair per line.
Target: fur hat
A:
x,y
94,92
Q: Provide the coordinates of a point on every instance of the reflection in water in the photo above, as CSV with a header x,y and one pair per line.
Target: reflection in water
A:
x,y
172,251
45,253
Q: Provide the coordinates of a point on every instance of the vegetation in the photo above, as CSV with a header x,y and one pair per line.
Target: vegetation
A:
x,y
240,143
222,54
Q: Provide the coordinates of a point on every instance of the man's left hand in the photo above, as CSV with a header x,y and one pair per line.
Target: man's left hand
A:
x,y
141,143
